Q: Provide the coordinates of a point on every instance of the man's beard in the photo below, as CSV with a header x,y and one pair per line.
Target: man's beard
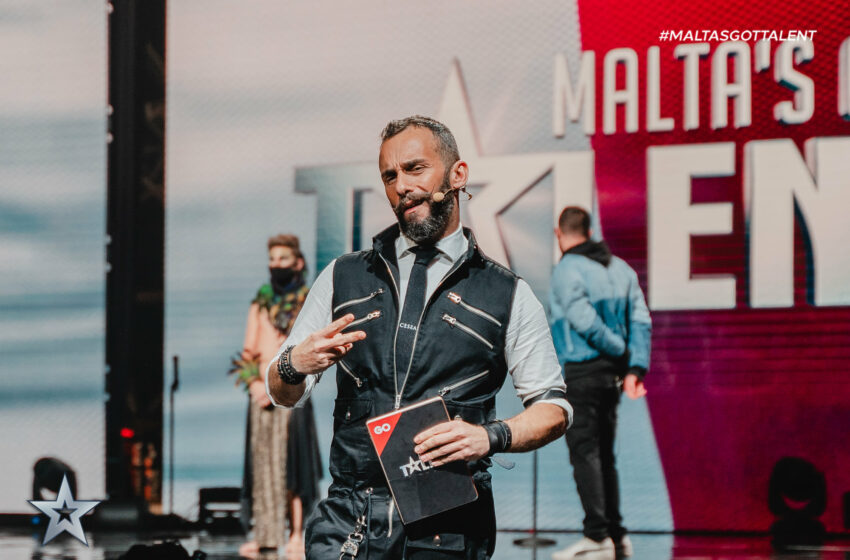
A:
x,y
430,229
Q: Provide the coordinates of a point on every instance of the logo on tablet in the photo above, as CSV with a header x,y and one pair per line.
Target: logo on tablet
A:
x,y
381,428
415,465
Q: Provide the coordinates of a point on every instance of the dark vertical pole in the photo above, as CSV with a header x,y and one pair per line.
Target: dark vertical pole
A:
x,y
135,250
175,384
535,541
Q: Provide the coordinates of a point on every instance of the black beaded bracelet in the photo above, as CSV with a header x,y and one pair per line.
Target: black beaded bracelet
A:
x,y
285,370
500,436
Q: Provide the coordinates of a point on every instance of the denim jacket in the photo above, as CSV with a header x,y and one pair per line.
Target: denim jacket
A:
x,y
597,309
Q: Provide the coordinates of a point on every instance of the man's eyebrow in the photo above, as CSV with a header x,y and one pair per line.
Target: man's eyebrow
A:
x,y
406,165
413,163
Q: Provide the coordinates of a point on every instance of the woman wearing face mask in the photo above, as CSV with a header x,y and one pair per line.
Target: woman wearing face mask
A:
x,y
282,462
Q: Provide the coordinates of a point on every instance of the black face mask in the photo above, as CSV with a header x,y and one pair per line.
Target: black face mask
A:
x,y
282,279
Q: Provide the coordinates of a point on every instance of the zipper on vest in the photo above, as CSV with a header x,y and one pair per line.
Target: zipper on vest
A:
x,y
373,315
455,323
455,297
356,379
462,382
358,300
397,400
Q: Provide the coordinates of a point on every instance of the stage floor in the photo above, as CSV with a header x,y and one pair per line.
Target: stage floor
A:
x,y
21,545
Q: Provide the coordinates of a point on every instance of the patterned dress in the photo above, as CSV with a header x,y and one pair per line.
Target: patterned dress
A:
x,y
281,447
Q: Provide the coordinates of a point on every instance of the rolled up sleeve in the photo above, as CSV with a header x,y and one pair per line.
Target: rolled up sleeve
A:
x,y
530,353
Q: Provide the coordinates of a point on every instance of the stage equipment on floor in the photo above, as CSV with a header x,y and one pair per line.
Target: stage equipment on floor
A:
x,y
219,509
797,497
48,473
168,550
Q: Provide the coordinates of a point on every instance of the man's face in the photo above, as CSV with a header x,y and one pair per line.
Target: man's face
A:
x,y
284,257
411,170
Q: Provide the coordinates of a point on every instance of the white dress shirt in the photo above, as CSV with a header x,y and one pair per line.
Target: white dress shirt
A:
x,y
529,351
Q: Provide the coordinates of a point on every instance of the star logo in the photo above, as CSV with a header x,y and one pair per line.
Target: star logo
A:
x,y
498,181
64,513
415,465
503,179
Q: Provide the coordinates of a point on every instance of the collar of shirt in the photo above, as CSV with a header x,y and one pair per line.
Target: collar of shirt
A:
x,y
451,247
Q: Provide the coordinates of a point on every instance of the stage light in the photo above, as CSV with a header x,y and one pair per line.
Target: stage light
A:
x,y
127,433
797,497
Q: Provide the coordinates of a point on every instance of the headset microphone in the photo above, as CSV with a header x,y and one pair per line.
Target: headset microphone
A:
x,y
439,196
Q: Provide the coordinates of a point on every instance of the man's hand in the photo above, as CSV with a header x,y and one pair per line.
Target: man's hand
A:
x,y
257,389
633,386
451,441
325,347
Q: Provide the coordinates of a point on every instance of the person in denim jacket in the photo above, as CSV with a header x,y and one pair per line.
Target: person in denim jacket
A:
x,y
601,328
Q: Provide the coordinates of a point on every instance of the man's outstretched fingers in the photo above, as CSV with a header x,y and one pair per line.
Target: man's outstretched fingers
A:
x,y
340,351
342,339
336,326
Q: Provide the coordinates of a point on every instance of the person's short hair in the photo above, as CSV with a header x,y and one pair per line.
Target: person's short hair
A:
x,y
287,240
445,139
574,219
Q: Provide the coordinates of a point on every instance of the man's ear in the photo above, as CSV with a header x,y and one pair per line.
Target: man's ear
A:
x,y
458,174
299,264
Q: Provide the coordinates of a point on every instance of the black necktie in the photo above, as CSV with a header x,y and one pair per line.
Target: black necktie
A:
x,y
414,302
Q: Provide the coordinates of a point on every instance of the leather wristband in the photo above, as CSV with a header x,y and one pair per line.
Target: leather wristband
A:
x,y
285,370
499,434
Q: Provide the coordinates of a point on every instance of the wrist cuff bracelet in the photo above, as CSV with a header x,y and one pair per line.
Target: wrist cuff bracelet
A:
x,y
285,370
500,436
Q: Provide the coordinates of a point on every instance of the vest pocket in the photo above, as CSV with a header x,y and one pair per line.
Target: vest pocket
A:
x,y
453,322
346,369
365,319
455,298
458,384
424,547
351,450
355,301
469,412
351,410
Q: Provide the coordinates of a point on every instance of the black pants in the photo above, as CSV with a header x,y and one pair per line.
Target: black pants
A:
x,y
464,533
591,443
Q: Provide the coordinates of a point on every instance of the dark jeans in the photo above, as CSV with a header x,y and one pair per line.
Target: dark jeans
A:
x,y
464,533
591,443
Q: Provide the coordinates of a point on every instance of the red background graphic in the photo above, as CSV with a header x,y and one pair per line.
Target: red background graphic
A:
x,y
730,391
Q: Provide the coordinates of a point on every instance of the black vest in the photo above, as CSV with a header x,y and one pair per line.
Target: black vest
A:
x,y
459,351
